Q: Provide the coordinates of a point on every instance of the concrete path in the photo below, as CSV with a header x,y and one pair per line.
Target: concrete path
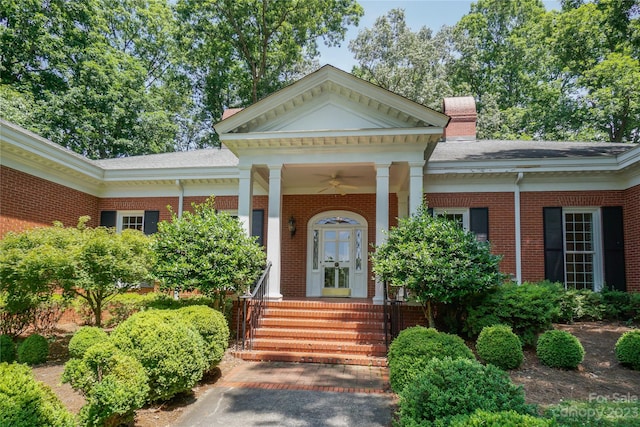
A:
x,y
295,395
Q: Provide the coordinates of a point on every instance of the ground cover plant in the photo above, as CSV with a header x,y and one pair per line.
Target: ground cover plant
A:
x,y
499,346
621,411
559,349
482,418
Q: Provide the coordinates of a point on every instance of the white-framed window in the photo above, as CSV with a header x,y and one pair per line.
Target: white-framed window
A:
x,y
460,215
583,262
130,220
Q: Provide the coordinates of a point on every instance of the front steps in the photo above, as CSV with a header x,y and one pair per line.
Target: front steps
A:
x,y
320,332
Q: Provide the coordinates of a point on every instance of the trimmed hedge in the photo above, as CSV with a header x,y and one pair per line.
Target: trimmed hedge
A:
x,y
414,348
628,349
499,346
559,349
25,402
482,418
448,388
212,326
84,338
172,353
34,350
7,349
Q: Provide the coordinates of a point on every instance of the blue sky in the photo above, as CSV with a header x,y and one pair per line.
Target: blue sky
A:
x,y
431,13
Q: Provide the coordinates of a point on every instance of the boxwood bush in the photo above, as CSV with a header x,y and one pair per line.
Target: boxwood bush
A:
x,y
7,349
482,418
84,338
559,349
528,308
25,402
114,384
212,326
451,387
34,350
628,349
499,346
171,352
414,348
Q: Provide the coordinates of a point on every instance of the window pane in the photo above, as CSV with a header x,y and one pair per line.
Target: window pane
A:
x,y
315,249
132,222
579,256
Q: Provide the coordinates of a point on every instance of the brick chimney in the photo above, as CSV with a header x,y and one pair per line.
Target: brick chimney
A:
x,y
462,126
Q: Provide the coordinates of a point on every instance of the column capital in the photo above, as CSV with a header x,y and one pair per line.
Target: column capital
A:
x,y
417,164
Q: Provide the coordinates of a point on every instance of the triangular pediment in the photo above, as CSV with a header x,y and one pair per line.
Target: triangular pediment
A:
x,y
330,100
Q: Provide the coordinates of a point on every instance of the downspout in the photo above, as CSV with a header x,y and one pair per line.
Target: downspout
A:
x,y
180,197
516,194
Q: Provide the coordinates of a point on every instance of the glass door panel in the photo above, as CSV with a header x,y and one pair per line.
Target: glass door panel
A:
x,y
337,258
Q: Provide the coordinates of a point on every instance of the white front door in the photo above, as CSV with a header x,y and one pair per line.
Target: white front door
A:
x,y
337,257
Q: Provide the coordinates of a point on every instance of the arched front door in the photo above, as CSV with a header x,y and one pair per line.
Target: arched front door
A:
x,y
337,255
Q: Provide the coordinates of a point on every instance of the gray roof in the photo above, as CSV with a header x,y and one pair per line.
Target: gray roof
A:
x,y
209,157
510,150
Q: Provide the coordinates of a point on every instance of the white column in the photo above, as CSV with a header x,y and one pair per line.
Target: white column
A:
x,y
516,202
416,179
245,198
382,219
274,231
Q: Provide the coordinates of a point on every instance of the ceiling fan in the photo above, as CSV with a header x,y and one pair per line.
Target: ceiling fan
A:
x,y
335,184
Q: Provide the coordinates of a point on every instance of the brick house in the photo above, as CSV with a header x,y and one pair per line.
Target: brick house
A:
x,y
320,169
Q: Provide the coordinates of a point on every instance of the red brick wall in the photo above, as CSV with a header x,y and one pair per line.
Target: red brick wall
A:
x,y
631,215
501,219
531,205
303,208
27,201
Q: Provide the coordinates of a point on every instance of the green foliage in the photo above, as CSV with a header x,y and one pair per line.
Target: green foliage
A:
x,y
436,260
448,388
34,350
208,251
598,412
172,353
628,349
559,349
499,346
84,338
482,418
580,305
212,327
7,349
24,402
114,384
528,308
412,350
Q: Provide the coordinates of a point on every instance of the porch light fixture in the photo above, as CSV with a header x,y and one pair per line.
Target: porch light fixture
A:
x,y
292,225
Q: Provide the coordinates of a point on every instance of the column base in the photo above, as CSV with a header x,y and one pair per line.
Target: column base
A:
x,y
378,301
273,298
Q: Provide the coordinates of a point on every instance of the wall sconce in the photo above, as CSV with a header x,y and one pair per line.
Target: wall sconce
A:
x,y
292,225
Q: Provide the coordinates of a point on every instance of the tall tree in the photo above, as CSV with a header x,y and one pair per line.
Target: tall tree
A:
x,y
412,64
242,50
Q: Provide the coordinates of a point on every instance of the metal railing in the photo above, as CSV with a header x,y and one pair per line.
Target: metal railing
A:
x,y
250,309
393,319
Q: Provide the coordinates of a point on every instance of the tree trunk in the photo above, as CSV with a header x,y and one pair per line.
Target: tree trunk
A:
x,y
429,315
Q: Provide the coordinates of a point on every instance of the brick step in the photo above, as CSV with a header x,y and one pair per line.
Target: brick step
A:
x,y
301,357
336,314
351,336
323,305
324,324
315,346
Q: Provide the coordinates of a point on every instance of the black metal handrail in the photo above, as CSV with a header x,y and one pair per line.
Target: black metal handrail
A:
x,y
393,320
250,309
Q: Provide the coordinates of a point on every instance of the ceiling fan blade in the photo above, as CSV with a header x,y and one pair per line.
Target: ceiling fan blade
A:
x,y
325,189
348,187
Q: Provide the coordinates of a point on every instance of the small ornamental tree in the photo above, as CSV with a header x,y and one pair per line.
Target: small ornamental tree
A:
x,y
208,251
436,260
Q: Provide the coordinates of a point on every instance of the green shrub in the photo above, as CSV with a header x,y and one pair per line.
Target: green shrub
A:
x,y
528,308
482,418
172,353
34,350
628,349
580,305
7,349
122,306
599,412
447,388
559,349
499,346
212,326
414,348
84,338
621,305
24,402
114,384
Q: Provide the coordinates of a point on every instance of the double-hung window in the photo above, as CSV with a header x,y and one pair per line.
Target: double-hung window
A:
x,y
475,220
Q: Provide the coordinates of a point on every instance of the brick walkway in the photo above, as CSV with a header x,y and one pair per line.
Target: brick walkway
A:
x,y
308,376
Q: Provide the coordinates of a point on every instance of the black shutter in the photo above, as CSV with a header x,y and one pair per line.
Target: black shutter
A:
x,y
553,245
108,218
479,223
613,242
257,225
151,219
430,211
